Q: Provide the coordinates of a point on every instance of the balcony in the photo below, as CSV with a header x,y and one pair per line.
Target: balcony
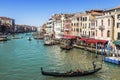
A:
x,y
92,27
101,28
66,29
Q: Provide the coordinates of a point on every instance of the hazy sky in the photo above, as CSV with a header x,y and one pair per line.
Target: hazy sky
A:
x,y
37,12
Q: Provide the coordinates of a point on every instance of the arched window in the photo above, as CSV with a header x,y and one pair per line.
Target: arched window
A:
x,y
108,22
108,33
102,22
96,32
89,33
80,30
96,23
93,33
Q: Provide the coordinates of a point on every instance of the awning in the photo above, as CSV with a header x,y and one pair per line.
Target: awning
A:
x,y
69,37
117,42
102,41
94,41
83,39
91,41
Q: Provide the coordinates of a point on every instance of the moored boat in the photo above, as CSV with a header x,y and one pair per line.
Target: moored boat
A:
x,y
65,46
71,73
16,37
38,37
67,42
3,38
29,38
47,39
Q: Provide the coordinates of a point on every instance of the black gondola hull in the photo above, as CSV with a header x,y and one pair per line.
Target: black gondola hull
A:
x,y
73,74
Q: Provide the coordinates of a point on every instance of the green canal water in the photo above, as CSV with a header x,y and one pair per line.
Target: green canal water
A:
x,y
21,59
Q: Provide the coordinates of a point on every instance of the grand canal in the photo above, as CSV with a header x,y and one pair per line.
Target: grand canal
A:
x,y
21,59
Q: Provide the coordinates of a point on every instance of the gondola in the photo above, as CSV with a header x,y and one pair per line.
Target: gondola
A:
x,y
66,47
70,74
29,38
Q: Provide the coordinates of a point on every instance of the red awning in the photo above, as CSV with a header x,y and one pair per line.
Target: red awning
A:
x,y
91,41
83,39
94,41
102,41
69,37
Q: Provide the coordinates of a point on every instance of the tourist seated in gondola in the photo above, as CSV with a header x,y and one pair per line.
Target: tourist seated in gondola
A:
x,y
70,72
79,71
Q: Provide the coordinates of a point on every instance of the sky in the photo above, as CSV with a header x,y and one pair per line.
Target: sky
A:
x,y
37,12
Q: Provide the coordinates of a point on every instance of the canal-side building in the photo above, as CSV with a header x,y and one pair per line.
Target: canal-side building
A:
x,y
76,24
50,26
57,25
83,24
116,16
108,25
117,26
61,22
88,23
91,23
24,28
19,28
67,27
68,24
104,27
7,25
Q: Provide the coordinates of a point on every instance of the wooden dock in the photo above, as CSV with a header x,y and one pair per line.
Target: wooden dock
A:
x,y
92,50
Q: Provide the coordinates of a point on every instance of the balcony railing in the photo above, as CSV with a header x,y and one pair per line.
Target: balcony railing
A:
x,y
92,27
101,27
67,29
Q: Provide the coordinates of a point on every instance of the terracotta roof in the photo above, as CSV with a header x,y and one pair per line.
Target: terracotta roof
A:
x,y
95,10
118,7
96,13
58,16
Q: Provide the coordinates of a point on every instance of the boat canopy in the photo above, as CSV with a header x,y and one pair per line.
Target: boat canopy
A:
x,y
117,42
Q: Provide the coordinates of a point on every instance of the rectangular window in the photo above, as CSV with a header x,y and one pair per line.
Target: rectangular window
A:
x,y
118,16
77,24
81,24
78,19
118,25
119,35
72,24
89,25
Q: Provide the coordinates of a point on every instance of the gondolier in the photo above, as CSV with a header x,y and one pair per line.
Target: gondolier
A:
x,y
94,65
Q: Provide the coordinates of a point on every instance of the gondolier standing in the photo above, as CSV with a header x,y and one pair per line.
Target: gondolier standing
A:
x,y
94,65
